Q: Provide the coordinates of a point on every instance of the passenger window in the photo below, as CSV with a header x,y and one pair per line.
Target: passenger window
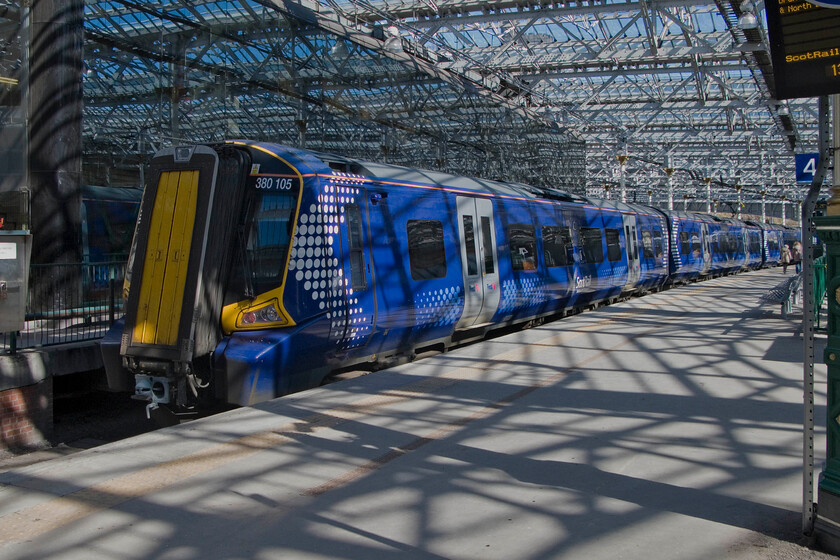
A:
x,y
657,243
469,242
557,245
695,244
591,245
489,267
426,252
613,244
685,247
523,247
647,244
358,278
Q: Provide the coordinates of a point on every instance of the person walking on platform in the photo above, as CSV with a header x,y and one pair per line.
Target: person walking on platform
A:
x,y
796,256
785,258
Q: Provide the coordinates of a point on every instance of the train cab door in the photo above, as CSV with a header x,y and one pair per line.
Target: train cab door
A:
x,y
477,232
634,268
353,315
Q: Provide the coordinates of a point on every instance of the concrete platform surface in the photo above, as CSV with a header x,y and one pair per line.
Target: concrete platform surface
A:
x,y
666,427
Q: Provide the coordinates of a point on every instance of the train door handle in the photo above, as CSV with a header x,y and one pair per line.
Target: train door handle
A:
x,y
4,291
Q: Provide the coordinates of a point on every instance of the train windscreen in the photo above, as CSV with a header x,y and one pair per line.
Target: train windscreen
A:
x,y
264,243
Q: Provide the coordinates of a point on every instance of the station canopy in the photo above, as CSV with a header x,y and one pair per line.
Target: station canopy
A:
x,y
554,94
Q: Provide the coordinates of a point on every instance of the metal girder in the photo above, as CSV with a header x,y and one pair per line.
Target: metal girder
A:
x,y
610,70
455,85
293,77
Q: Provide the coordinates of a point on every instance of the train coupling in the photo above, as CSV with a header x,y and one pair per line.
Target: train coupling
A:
x,y
155,390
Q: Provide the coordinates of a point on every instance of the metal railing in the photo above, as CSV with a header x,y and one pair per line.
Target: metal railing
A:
x,y
68,303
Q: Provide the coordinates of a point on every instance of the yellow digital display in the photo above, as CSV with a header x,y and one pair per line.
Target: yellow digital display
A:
x,y
805,48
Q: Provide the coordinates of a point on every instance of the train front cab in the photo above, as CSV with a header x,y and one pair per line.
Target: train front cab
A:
x,y
191,264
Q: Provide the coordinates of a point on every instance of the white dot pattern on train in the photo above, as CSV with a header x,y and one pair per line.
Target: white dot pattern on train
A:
x,y
315,262
522,293
438,307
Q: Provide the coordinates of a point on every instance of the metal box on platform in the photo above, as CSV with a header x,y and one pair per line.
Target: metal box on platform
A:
x,y
15,250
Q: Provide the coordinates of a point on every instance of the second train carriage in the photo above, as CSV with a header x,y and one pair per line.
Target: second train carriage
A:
x,y
258,268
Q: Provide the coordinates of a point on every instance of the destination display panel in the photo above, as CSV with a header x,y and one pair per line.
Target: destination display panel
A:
x,y
804,47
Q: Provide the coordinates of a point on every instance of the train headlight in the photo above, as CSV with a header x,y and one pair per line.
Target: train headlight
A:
x,y
261,316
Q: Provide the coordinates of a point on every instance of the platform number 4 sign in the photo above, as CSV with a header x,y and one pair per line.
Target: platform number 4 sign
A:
x,y
806,167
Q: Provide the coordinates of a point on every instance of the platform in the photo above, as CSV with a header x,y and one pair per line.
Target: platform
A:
x,y
663,427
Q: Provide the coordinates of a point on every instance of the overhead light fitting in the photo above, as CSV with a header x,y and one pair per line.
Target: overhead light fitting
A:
x,y
393,42
748,21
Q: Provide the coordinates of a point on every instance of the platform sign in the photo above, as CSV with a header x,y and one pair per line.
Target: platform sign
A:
x,y
806,167
804,47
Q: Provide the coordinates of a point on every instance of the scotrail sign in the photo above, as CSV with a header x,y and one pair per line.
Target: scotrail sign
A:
x,y
804,46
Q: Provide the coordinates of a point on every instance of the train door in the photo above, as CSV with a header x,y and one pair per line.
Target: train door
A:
x,y
634,269
180,259
477,233
707,248
353,316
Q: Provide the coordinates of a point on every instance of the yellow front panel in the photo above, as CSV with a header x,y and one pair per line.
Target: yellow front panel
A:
x,y
167,257
179,252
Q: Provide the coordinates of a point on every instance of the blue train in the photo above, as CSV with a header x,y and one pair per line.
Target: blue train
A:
x,y
108,216
258,269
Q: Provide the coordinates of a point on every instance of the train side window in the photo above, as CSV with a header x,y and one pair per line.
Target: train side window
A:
x,y
523,247
557,246
657,243
489,267
591,245
613,244
647,244
695,244
685,247
469,242
358,278
568,242
426,251
635,245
